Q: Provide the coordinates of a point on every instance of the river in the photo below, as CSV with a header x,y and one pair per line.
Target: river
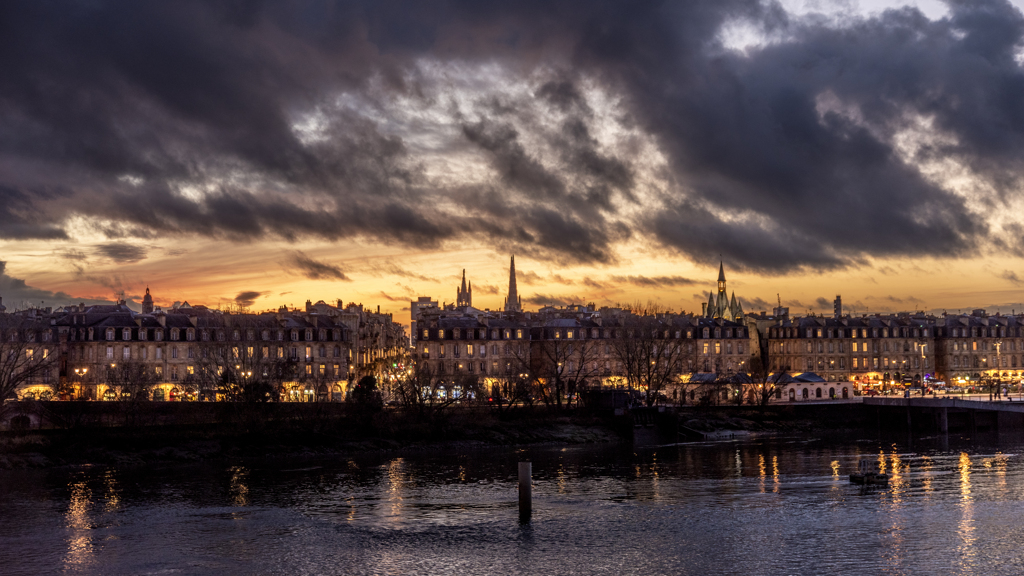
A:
x,y
761,506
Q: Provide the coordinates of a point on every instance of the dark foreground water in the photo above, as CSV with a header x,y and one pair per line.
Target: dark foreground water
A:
x,y
778,506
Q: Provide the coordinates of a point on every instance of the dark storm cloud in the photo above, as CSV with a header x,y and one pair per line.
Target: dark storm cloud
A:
x,y
313,269
122,253
159,119
247,299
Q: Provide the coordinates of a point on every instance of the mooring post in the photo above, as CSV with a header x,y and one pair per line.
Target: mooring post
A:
x,y
525,491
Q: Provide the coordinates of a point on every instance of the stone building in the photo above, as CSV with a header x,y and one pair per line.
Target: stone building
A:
x,y
313,354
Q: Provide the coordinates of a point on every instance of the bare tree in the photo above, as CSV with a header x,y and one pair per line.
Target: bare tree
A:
x,y
428,391
130,380
651,358
26,354
564,365
767,379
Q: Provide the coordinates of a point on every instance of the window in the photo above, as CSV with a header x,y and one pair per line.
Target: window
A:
x,y
174,352
718,347
174,334
190,335
440,334
142,333
159,353
110,352
707,347
110,333
159,334
309,353
469,351
126,353
519,334
426,333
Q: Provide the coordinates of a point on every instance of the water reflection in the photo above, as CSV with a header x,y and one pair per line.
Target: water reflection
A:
x,y
77,521
238,488
618,512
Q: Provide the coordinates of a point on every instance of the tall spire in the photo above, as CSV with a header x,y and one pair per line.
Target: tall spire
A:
x,y
512,302
463,295
721,277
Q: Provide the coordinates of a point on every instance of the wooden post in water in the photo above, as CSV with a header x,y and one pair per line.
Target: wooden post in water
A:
x,y
525,491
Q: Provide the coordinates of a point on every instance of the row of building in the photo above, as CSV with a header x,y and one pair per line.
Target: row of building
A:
x,y
315,352
326,347
870,351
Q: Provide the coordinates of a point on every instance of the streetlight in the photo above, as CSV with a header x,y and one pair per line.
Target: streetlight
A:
x,y
999,345
81,372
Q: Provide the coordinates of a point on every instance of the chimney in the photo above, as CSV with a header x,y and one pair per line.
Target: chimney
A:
x,y
704,309
838,306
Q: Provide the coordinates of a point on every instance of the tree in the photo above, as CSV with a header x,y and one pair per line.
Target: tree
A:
x,y
26,354
564,365
130,381
763,382
650,357
366,393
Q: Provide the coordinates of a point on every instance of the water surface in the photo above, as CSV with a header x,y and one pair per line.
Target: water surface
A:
x,y
771,506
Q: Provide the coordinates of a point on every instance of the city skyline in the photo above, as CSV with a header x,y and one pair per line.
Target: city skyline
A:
x,y
817,148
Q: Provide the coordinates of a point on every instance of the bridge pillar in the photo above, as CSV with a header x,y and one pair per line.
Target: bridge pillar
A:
x,y
944,420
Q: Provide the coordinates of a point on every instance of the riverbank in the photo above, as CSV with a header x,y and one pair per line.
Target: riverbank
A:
x,y
310,431
150,445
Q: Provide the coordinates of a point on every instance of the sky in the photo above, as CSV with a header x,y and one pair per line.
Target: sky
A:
x,y
259,154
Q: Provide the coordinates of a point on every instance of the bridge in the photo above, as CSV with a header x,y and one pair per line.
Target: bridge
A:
x,y
948,414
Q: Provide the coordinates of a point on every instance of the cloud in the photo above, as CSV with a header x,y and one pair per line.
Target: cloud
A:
x,y
1011,277
755,304
314,269
122,253
551,300
388,268
557,129
248,298
528,277
17,294
386,296
655,281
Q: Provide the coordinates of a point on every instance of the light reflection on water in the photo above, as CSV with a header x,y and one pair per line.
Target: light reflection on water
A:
x,y
754,507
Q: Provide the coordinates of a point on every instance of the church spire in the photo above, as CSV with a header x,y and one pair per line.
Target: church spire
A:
x,y
721,277
512,303
464,296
